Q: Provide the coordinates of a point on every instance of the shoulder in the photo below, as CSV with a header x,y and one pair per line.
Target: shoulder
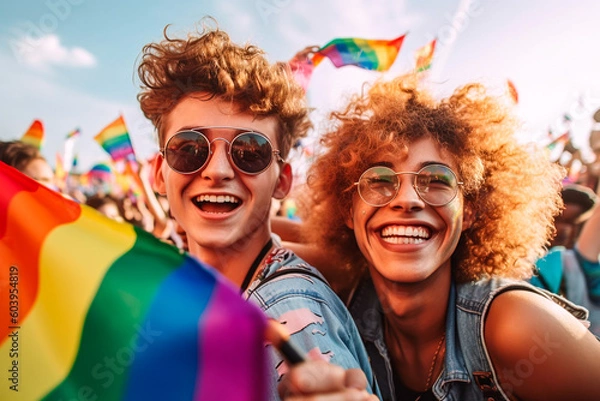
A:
x,y
532,341
286,277
528,313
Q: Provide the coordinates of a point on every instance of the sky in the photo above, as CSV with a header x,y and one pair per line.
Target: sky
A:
x,y
72,63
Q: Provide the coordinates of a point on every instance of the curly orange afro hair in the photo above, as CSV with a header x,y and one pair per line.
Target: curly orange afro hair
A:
x,y
512,190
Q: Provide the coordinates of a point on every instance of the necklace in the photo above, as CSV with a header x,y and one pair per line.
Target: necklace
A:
x,y
433,363
255,265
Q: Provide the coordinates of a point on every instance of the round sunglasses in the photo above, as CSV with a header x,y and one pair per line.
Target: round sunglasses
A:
x,y
188,151
435,184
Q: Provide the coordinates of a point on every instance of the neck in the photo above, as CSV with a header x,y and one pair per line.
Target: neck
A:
x,y
415,323
417,310
233,262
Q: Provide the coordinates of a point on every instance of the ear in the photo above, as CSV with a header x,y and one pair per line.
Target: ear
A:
x,y
159,179
468,217
350,219
284,182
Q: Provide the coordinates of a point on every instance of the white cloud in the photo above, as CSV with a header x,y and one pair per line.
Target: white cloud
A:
x,y
43,52
61,109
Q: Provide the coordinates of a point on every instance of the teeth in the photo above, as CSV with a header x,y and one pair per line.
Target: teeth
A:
x,y
403,240
408,232
217,199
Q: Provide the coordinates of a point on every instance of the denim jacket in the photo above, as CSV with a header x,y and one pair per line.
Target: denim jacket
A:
x,y
468,374
317,320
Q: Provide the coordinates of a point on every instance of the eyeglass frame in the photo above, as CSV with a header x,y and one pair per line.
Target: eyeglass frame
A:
x,y
416,174
244,131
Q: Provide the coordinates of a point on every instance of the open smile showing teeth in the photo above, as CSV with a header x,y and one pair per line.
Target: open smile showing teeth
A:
x,y
405,234
216,203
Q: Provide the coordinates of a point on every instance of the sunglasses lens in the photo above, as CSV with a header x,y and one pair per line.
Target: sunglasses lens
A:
x,y
251,152
436,184
378,185
187,152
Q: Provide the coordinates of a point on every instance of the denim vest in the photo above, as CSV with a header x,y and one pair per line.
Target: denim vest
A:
x,y
468,374
318,321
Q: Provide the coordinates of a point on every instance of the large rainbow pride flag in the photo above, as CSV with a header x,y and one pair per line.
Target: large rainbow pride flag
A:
x,y
92,309
371,54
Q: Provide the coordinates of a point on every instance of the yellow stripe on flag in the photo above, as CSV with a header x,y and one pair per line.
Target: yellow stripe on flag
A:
x,y
44,365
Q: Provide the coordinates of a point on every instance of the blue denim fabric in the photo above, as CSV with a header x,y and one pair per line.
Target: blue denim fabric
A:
x,y
466,353
318,321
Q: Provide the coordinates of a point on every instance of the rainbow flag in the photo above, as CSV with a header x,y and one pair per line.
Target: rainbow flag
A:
x,y
69,149
75,133
424,56
371,54
96,309
114,138
101,171
34,134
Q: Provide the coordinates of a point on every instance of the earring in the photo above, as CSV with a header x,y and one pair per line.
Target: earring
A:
x,y
364,212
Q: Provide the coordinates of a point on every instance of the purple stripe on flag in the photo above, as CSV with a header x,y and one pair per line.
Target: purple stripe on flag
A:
x,y
237,352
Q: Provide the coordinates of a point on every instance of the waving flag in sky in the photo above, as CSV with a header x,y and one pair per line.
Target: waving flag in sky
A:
x,y
34,134
371,54
424,56
95,309
68,154
114,138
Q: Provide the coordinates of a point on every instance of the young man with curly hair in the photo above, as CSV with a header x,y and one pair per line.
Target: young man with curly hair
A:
x,y
226,119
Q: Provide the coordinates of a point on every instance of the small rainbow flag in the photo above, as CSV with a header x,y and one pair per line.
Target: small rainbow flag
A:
x,y
69,149
76,132
424,56
35,134
114,138
101,171
96,309
371,54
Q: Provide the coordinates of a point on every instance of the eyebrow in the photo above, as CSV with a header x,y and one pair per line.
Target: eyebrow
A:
x,y
209,128
420,166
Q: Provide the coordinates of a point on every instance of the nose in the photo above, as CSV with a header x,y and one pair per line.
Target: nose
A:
x,y
218,167
407,197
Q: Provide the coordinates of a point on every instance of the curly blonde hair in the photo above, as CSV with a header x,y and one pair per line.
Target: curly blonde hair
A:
x,y
208,62
512,190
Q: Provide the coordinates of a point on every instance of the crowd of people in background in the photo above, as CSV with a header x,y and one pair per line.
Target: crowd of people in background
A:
x,y
515,237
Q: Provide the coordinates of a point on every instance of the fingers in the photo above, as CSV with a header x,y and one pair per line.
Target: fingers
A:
x,y
346,395
355,378
313,377
322,381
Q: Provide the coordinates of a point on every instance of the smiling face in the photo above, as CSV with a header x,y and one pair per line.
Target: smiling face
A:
x,y
220,208
407,240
